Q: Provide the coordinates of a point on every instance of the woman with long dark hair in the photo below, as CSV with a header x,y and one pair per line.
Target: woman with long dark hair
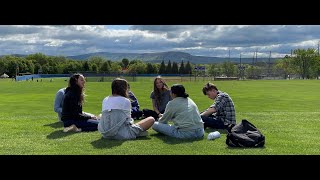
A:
x,y
160,97
74,119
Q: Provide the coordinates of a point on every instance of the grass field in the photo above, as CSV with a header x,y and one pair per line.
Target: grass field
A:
x,y
286,111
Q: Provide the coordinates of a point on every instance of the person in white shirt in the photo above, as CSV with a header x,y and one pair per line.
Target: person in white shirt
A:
x,y
116,121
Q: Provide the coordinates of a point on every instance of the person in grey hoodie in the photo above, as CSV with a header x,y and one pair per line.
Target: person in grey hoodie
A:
x,y
116,121
184,114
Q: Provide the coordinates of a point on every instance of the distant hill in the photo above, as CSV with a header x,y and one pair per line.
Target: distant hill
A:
x,y
166,56
159,57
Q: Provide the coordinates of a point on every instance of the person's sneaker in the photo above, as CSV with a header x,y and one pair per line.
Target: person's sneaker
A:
x,y
71,128
143,133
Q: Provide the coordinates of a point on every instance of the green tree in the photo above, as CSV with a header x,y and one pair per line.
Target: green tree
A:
x,y
86,66
168,68
181,69
95,68
115,67
175,69
29,66
162,69
285,66
39,58
303,61
105,67
97,60
3,66
316,67
125,63
188,68
139,68
212,70
151,69
228,68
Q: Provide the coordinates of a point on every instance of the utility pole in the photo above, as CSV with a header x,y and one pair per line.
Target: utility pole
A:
x,y
256,56
240,68
229,55
318,48
253,58
269,64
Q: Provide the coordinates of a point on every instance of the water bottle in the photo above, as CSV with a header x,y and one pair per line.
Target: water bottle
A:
x,y
213,135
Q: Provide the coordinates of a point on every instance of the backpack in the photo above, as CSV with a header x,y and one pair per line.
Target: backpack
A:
x,y
244,134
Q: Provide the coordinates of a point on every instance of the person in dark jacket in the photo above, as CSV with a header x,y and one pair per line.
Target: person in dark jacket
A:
x,y
74,119
135,107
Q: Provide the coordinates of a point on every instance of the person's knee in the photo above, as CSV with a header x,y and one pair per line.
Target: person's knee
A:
x,y
155,125
152,120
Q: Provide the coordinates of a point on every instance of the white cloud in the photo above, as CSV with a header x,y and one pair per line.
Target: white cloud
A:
x,y
206,40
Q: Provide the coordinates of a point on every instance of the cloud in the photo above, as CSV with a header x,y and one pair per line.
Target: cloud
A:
x,y
202,40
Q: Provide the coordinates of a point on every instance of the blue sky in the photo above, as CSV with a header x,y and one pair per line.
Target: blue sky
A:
x,y
200,40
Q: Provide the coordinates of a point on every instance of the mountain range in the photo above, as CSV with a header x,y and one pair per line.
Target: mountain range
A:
x,y
173,56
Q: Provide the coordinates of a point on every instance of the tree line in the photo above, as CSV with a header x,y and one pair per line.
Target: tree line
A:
x,y
303,62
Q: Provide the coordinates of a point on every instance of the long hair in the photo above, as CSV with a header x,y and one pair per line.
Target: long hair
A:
x,y
120,86
74,87
179,90
157,92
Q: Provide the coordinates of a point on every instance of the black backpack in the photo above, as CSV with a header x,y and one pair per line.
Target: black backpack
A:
x,y
244,134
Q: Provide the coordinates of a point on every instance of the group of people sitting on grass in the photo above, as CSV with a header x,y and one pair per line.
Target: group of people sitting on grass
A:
x,y
121,108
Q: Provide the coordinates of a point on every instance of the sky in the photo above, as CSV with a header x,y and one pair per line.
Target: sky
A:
x,y
197,40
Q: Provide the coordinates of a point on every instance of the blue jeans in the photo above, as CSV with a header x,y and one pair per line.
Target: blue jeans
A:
x,y
88,125
171,130
213,122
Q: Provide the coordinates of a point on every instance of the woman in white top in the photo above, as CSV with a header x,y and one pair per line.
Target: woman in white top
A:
x,y
184,114
116,121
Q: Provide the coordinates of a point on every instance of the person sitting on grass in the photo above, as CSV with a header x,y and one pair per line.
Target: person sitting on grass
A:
x,y
72,115
184,114
116,121
221,114
135,107
58,103
160,97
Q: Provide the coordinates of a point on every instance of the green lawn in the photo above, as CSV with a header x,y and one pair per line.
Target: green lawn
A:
x,y
286,111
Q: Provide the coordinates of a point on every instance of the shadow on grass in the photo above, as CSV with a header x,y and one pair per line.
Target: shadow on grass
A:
x,y
59,134
172,140
55,125
221,131
228,147
110,143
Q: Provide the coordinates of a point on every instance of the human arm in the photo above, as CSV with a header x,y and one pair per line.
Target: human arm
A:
x,y
218,105
91,115
168,113
208,112
72,110
155,106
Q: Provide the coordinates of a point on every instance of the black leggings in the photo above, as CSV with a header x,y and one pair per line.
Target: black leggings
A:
x,y
148,112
